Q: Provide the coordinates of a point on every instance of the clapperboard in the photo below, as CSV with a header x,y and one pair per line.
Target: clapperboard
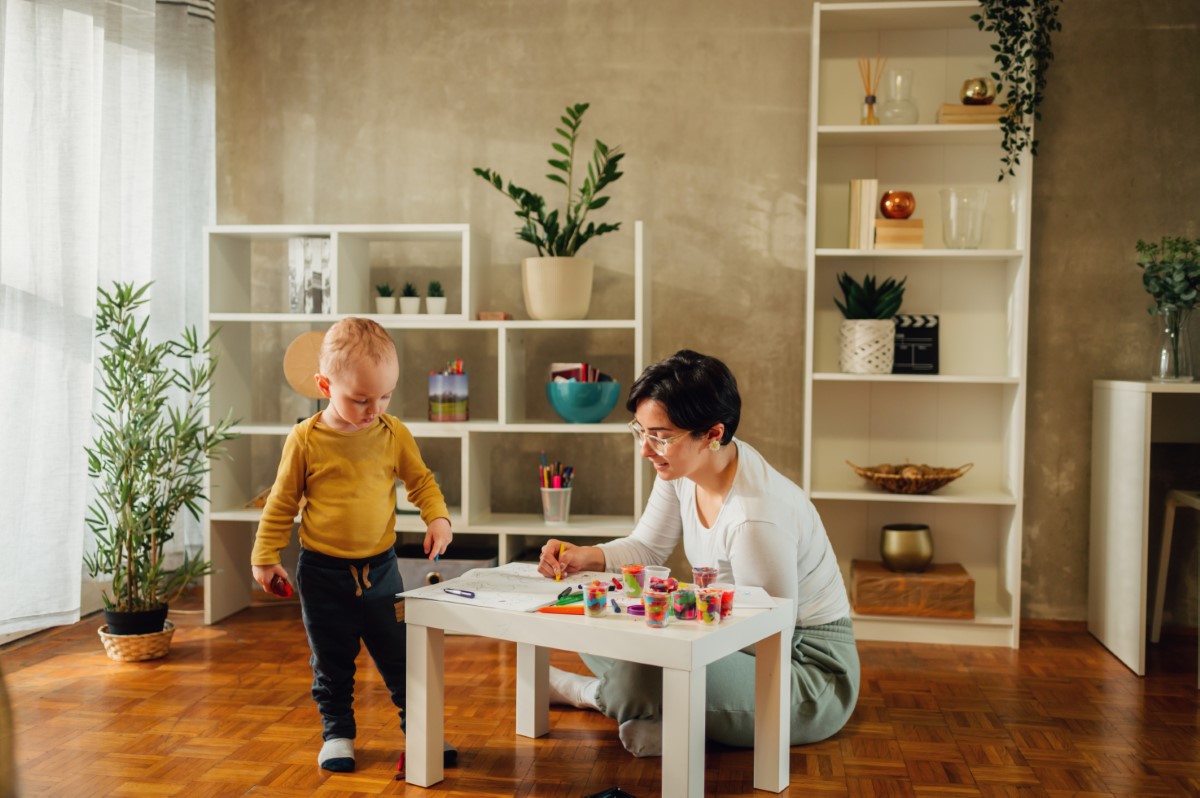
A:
x,y
916,345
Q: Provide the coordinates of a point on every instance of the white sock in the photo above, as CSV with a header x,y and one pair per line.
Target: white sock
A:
x,y
337,755
642,737
573,689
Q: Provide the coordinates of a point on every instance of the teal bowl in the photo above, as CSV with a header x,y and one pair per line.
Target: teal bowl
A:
x,y
583,402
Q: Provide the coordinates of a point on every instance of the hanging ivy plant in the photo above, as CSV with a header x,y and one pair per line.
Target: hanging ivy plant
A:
x,y
1023,57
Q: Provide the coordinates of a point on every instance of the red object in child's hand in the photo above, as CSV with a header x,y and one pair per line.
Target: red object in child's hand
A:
x,y
281,587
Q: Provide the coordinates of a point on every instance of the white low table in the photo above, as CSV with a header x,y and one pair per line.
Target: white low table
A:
x,y
683,650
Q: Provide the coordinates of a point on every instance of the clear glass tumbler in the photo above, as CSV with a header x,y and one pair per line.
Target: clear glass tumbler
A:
x,y
963,212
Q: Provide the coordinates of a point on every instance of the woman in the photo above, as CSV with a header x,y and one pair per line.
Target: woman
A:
x,y
734,511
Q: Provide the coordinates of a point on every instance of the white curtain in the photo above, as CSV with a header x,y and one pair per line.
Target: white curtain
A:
x,y
106,172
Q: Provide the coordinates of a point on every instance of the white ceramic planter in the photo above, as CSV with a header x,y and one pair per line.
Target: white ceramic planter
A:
x,y
435,305
868,346
385,304
557,288
410,304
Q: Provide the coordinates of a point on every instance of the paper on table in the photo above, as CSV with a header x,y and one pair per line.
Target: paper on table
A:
x,y
751,597
515,586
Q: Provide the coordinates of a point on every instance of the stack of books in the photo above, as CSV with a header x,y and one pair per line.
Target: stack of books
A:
x,y
899,234
864,196
955,114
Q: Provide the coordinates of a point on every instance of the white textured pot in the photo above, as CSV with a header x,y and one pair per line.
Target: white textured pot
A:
x,y
557,288
868,346
410,304
385,304
435,305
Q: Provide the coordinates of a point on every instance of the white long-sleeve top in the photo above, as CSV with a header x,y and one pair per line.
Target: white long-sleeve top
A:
x,y
767,533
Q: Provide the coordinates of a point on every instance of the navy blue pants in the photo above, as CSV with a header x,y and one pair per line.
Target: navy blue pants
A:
x,y
345,603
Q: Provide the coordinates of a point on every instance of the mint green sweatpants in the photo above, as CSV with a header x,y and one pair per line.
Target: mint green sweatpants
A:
x,y
825,677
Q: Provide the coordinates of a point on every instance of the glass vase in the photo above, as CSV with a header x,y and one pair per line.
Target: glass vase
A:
x,y
1173,355
898,106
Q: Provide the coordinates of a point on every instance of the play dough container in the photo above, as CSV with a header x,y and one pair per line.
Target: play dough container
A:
x,y
704,575
683,602
708,607
595,600
657,606
633,577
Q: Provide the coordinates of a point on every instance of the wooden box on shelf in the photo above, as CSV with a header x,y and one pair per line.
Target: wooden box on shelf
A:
x,y
945,590
899,234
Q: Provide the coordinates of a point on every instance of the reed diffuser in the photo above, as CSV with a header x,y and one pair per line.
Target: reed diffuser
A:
x,y
871,75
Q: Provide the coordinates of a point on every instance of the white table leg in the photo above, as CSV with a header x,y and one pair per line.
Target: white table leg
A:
x,y
533,690
424,726
683,733
772,714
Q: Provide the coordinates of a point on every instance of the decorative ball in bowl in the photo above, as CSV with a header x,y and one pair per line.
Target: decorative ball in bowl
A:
x,y
583,402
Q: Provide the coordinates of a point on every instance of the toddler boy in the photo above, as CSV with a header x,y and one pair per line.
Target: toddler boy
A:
x,y
344,461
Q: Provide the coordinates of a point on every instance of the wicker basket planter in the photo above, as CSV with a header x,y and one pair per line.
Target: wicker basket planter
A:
x,y
868,346
137,648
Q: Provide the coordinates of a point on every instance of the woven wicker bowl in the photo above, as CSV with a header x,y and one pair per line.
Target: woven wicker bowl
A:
x,y
136,648
931,478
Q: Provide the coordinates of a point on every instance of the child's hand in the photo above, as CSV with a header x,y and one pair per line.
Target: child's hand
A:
x,y
263,574
437,537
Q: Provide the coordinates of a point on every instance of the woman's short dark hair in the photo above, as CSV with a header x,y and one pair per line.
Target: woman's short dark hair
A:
x,y
697,391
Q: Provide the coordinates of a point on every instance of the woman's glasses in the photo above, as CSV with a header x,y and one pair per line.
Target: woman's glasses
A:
x,y
657,445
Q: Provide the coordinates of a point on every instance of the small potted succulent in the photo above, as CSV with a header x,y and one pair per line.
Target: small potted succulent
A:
x,y
868,333
558,283
410,300
385,301
435,299
1171,275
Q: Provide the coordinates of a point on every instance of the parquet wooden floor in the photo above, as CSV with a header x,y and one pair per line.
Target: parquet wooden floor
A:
x,y
228,713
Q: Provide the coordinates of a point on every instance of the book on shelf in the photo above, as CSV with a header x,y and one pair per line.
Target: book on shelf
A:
x,y
955,114
899,234
864,196
309,275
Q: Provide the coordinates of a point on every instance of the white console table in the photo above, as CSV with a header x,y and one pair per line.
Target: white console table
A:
x,y
1127,417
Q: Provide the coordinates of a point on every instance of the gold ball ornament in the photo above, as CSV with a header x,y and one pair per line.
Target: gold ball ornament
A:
x,y
978,91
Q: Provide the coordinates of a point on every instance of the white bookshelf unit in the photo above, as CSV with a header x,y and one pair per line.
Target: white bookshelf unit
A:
x,y
246,303
973,410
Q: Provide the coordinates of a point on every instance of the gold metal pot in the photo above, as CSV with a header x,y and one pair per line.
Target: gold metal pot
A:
x,y
906,547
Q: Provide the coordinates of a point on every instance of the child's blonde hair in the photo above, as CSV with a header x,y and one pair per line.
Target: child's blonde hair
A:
x,y
352,339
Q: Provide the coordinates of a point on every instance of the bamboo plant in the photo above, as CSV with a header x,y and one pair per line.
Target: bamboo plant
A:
x,y
150,453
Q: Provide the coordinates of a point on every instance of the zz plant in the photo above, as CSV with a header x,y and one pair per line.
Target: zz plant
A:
x,y
151,451
869,300
552,234
1022,55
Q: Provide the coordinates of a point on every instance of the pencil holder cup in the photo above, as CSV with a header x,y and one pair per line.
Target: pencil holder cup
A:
x,y
556,505
595,600
657,608
448,397
633,577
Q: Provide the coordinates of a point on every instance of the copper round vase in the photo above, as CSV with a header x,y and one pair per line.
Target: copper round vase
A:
x,y
906,547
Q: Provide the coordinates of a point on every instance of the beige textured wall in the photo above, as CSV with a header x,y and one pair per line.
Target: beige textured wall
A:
x,y
1117,162
368,111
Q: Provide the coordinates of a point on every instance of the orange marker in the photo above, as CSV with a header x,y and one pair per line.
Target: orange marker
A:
x,y
565,609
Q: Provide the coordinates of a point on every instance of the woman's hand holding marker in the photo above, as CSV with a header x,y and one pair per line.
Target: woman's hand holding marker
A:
x,y
560,558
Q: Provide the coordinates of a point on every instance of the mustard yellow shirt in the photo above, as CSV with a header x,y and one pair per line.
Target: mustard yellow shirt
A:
x,y
349,481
